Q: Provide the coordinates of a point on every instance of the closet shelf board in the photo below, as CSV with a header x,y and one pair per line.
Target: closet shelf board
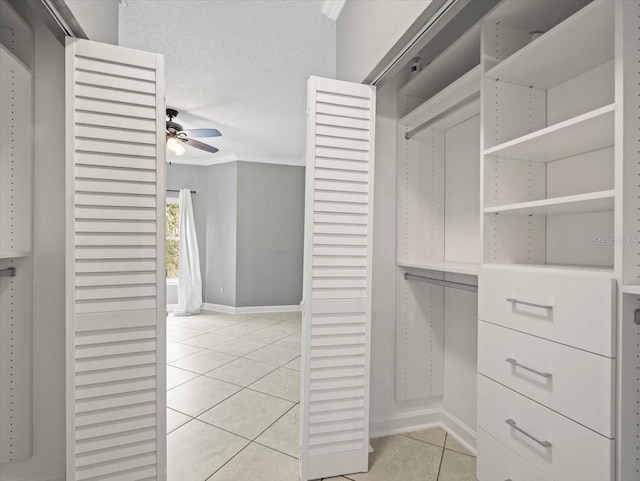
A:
x,y
631,289
591,270
573,47
440,102
9,62
453,267
571,204
584,133
14,254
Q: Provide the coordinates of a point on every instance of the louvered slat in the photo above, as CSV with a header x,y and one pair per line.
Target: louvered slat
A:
x,y
337,279
115,325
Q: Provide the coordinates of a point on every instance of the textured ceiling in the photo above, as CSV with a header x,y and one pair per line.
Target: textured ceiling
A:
x,y
239,66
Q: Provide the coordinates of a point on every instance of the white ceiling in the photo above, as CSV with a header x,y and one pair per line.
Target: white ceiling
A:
x,y
239,66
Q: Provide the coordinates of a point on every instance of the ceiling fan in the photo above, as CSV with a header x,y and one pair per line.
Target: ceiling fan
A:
x,y
176,136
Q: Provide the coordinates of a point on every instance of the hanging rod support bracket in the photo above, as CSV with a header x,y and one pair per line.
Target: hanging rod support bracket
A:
x,y
8,272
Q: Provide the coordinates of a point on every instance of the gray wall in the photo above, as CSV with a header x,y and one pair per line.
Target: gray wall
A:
x,y
222,211
192,177
250,225
270,234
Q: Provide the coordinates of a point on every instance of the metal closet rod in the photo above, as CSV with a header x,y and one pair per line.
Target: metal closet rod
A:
x,y
463,103
439,282
178,191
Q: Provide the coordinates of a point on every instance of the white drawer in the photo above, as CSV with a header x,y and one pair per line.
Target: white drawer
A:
x,y
496,462
575,383
570,306
574,453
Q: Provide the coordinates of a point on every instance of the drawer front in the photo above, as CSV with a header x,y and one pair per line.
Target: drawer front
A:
x,y
496,462
570,452
572,307
575,383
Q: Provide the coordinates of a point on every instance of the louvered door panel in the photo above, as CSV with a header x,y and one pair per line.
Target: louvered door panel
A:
x,y
337,279
115,265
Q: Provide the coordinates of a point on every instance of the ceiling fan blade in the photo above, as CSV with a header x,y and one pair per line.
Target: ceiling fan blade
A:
x,y
199,145
203,132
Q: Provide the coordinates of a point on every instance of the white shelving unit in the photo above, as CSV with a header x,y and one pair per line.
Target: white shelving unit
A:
x,y
438,236
560,203
16,192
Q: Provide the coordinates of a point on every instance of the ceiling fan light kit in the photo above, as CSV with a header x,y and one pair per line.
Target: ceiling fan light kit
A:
x,y
177,136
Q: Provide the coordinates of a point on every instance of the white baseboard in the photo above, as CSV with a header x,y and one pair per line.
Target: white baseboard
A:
x,y
459,430
406,423
426,419
250,309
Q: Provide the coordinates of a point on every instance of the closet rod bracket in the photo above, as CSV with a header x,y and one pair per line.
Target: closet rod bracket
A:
x,y
8,272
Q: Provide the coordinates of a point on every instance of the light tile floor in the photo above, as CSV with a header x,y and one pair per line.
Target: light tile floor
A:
x,y
233,408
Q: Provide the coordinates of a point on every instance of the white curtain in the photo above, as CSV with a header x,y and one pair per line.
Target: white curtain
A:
x,y
189,278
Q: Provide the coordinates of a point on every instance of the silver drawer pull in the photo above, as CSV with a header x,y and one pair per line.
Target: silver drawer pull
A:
x,y
535,371
525,303
512,423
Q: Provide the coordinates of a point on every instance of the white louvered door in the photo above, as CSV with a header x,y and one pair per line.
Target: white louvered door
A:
x,y
337,279
115,263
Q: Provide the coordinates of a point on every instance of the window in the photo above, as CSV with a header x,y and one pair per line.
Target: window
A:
x,y
173,235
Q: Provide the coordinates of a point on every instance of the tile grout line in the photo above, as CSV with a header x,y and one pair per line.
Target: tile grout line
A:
x,y
442,456
437,445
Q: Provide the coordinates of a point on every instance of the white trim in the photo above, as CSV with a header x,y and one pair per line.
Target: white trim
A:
x,y
459,431
225,159
249,309
426,419
333,8
406,423
172,281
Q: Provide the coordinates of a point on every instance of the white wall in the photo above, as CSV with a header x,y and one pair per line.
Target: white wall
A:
x,y
98,18
48,460
367,30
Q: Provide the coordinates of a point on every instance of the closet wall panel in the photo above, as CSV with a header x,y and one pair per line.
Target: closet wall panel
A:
x,y
115,246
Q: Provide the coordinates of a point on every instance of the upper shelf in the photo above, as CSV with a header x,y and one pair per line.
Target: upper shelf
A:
x,y
453,267
573,47
570,204
10,62
584,133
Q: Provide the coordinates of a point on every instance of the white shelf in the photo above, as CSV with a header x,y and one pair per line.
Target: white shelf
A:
x,y
453,267
599,270
631,289
14,254
573,47
571,204
584,133
457,90
9,62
